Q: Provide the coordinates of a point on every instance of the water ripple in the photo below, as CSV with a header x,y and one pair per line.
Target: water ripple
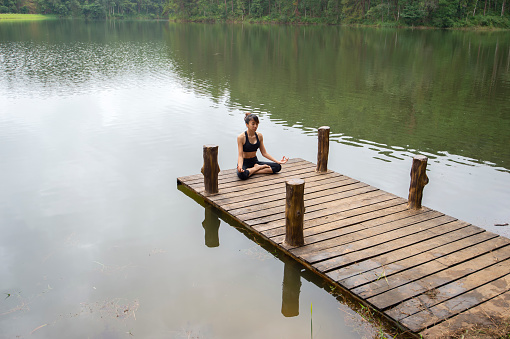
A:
x,y
44,69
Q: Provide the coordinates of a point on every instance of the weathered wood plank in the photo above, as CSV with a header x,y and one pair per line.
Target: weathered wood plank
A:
x,y
377,245
484,314
311,205
240,187
480,287
393,262
361,231
354,201
235,193
370,237
426,264
332,222
318,192
355,229
417,287
456,297
378,200
256,197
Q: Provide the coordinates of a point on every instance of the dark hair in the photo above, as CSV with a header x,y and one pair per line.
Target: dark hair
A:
x,y
250,116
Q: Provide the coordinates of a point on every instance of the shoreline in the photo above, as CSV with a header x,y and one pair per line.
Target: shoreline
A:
x,y
375,25
25,17
42,17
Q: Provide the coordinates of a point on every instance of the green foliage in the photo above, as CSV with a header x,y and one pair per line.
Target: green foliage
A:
x,y
25,17
387,13
490,21
443,15
90,9
256,8
94,11
379,12
413,14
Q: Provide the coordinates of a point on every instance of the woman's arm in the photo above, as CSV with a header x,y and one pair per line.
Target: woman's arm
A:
x,y
267,155
240,143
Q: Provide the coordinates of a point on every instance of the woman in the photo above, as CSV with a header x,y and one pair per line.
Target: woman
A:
x,y
247,144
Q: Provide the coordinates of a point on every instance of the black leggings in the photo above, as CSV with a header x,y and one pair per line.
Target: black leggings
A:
x,y
250,162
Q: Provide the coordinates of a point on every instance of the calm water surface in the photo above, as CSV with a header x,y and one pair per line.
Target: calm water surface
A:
x,y
97,120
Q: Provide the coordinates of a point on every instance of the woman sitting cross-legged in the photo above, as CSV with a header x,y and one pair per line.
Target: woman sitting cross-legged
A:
x,y
247,144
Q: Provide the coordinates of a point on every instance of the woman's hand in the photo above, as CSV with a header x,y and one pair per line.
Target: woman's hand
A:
x,y
240,169
283,161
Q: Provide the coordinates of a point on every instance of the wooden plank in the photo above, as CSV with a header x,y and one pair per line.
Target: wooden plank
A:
x,y
278,179
470,291
417,287
410,307
486,314
480,286
243,188
251,199
354,201
396,261
428,263
389,246
353,228
361,231
373,201
370,237
333,222
310,195
310,205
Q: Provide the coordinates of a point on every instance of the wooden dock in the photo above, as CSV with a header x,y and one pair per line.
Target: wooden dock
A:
x,y
428,272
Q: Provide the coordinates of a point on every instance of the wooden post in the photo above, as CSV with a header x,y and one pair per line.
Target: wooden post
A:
x,y
211,168
418,181
323,152
294,212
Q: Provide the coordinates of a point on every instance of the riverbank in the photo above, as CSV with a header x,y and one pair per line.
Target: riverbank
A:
x,y
264,20
25,17
470,26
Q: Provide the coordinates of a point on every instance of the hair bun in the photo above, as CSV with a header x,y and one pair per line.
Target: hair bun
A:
x,y
250,116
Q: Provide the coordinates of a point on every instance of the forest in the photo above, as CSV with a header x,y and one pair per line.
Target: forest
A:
x,y
390,13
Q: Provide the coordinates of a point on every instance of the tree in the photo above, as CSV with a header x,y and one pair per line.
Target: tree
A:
x,y
413,14
94,11
443,15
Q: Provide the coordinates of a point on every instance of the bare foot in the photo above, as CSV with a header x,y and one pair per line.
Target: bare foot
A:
x,y
258,167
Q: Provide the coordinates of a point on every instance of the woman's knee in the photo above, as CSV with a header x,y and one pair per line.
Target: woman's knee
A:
x,y
243,175
276,168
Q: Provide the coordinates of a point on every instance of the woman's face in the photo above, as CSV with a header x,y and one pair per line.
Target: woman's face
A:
x,y
252,125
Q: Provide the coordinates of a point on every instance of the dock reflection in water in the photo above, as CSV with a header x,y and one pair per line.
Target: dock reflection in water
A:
x,y
291,286
211,225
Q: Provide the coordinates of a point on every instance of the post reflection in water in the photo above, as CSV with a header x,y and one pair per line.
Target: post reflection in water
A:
x,y
211,225
291,288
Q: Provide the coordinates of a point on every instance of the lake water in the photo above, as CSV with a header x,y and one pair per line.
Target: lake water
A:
x,y
98,119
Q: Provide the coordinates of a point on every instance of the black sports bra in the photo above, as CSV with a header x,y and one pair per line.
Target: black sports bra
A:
x,y
249,147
